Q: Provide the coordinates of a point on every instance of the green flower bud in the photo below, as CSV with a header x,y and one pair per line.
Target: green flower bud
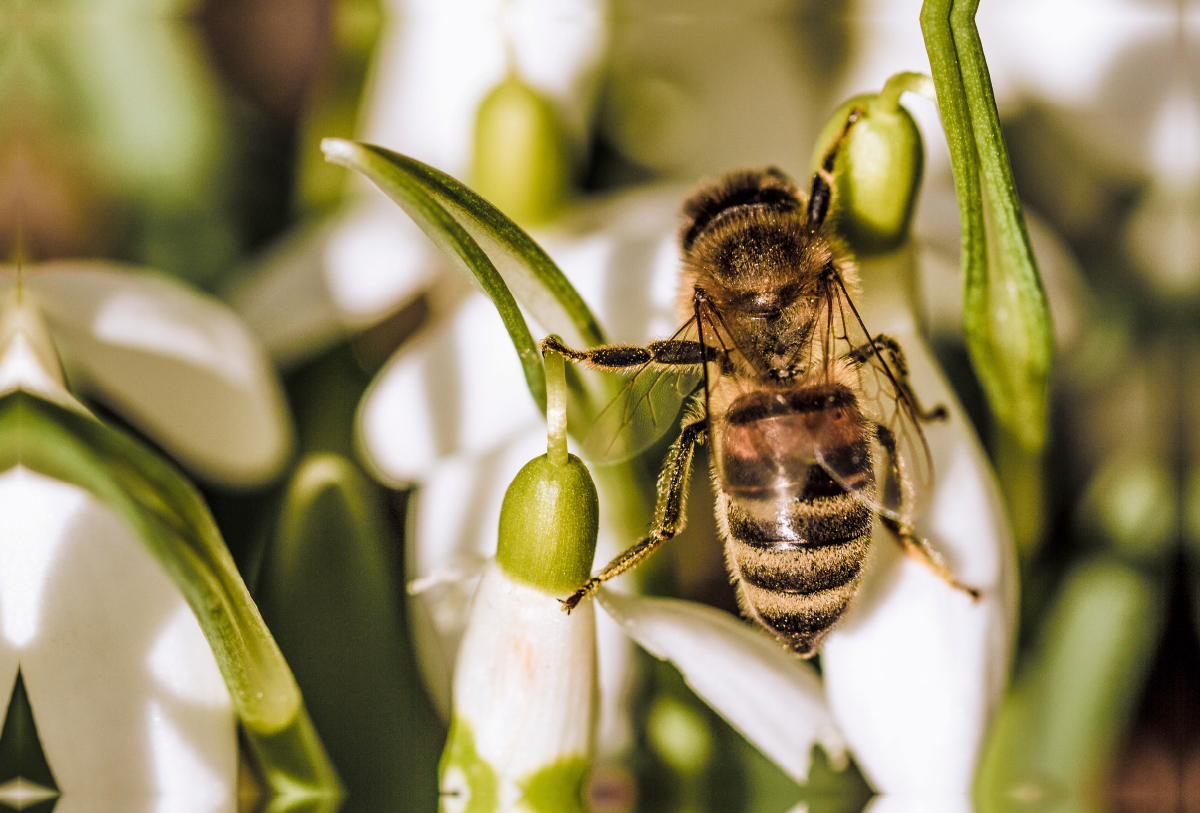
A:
x,y
548,525
522,164
878,170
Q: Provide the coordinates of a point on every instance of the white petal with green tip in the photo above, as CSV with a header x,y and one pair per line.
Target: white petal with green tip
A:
x,y
765,692
176,363
524,691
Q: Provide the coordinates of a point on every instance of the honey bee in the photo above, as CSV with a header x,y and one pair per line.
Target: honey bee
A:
x,y
813,425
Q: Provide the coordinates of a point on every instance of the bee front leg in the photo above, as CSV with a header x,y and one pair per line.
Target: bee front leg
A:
x,y
899,365
668,512
618,357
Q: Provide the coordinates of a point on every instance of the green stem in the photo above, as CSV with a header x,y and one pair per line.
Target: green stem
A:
x,y
905,81
956,121
1005,314
556,407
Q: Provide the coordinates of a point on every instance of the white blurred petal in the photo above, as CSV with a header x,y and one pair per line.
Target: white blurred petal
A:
x,y
89,666
765,692
920,803
424,95
322,284
915,669
460,390
622,255
175,362
1064,50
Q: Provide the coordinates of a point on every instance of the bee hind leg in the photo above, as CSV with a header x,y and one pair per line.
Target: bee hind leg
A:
x,y
899,367
669,512
920,549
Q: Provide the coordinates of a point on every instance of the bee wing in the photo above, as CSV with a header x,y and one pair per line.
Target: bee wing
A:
x,y
642,411
900,463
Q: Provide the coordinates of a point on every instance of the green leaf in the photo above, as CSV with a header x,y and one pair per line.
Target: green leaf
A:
x,y
1005,314
480,240
170,517
334,599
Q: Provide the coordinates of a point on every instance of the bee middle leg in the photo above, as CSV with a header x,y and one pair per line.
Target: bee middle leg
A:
x,y
883,343
913,545
668,512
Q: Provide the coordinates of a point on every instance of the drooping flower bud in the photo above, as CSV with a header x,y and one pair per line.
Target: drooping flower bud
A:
x,y
878,170
524,702
522,163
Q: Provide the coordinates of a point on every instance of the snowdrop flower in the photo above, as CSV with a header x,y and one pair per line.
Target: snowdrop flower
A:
x,y
524,687
425,95
524,683
915,670
127,635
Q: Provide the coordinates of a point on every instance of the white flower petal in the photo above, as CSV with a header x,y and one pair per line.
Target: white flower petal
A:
x,y
175,362
915,670
768,694
321,284
459,391
622,255
89,666
525,682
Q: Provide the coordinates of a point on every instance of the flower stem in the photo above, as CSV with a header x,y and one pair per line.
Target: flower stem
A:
x,y
556,407
1005,315
898,83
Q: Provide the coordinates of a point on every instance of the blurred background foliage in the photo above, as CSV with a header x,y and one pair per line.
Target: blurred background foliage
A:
x,y
182,135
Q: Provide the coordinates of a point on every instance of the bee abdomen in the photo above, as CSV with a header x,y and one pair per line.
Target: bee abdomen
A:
x,y
798,569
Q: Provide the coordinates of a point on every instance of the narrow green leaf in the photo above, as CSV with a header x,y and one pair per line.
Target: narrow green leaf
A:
x,y
170,517
535,280
1005,314
401,179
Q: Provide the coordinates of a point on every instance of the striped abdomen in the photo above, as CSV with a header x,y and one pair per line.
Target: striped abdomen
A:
x,y
796,540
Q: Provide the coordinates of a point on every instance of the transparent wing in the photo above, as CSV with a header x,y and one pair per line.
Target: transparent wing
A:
x,y
645,405
644,408
900,462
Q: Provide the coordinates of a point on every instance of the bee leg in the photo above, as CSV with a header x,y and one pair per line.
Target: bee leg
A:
x,y
899,364
669,511
913,545
617,357
919,549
